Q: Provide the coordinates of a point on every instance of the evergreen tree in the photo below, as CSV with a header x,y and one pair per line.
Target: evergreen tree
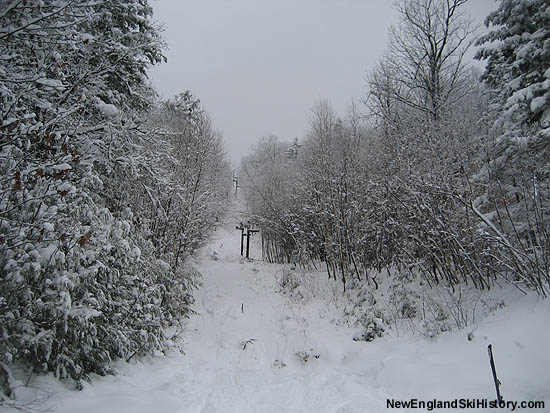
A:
x,y
517,172
82,280
517,50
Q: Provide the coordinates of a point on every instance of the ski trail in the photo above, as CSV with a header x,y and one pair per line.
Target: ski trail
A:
x,y
244,352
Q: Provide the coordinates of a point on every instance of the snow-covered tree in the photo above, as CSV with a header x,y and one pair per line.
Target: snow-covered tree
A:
x,y
423,68
518,63
427,108
82,280
266,178
517,171
200,175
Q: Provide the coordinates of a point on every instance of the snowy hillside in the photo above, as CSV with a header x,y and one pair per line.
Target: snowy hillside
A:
x,y
253,349
397,245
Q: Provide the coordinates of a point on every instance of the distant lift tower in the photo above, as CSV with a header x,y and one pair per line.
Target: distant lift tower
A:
x,y
237,186
246,232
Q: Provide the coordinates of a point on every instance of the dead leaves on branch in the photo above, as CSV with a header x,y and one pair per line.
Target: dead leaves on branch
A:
x,y
84,239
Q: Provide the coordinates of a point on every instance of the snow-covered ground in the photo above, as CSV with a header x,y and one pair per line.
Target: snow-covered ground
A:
x,y
254,349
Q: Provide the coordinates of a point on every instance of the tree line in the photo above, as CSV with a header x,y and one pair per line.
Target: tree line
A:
x,y
105,189
443,173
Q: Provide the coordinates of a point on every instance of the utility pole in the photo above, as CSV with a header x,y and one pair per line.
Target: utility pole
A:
x,y
237,186
242,228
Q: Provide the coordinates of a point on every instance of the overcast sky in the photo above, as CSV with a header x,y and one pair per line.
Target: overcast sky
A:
x,y
258,66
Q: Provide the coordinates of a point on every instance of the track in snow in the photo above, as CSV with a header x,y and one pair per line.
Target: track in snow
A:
x,y
239,302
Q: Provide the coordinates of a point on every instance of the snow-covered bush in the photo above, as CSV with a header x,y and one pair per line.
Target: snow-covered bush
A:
x,y
288,280
433,327
371,325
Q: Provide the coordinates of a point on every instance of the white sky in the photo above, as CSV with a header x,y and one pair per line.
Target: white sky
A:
x,y
258,66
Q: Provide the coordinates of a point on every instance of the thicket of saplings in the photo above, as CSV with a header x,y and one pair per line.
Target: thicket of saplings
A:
x,y
444,176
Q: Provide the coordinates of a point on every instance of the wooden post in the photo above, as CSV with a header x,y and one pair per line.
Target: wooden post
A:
x,y
247,242
495,378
